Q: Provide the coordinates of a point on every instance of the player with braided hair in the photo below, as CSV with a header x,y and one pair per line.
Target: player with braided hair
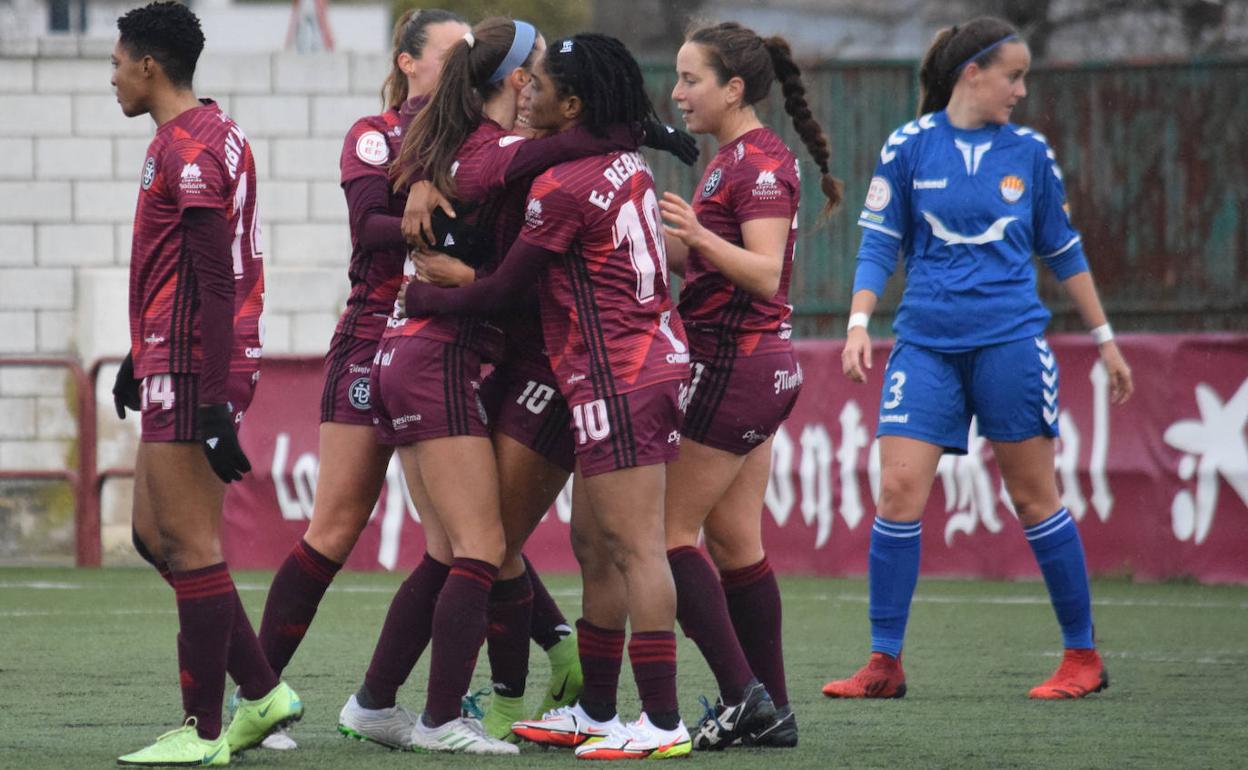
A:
x,y
621,362
736,244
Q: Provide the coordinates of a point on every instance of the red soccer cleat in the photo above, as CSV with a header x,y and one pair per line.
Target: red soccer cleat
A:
x,y
1080,674
882,677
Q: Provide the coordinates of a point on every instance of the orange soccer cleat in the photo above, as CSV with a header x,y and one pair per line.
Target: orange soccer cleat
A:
x,y
1080,674
882,677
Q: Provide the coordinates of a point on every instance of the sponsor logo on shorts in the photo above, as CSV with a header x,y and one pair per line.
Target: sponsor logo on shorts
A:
x,y
574,379
358,394
897,418
149,173
712,183
154,339
786,380
399,422
753,437
253,352
485,418
674,437
678,358
255,377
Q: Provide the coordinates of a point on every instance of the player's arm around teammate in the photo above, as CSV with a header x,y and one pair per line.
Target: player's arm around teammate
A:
x,y
961,185
353,461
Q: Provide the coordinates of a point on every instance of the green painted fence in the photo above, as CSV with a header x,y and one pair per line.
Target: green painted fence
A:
x,y
1155,159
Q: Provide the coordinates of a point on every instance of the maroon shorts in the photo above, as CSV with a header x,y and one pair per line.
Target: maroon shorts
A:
x,y
629,430
527,406
345,397
736,402
424,389
170,401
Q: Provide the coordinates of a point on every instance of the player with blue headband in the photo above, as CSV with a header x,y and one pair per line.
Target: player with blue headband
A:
x,y
969,197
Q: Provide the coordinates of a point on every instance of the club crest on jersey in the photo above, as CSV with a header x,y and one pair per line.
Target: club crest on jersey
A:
x,y
359,394
371,148
712,183
1012,188
879,194
149,173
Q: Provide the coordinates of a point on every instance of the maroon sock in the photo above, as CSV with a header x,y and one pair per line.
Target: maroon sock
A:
x,y
247,664
293,598
653,655
754,603
163,568
509,617
205,621
408,626
703,616
458,631
601,651
549,626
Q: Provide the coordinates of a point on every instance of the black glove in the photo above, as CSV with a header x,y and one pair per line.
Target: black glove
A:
x,y
220,442
661,136
126,388
458,239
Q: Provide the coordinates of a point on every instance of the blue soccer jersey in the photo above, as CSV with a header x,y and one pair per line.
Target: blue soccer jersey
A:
x,y
968,210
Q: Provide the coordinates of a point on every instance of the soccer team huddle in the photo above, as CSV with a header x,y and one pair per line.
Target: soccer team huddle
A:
x,y
510,325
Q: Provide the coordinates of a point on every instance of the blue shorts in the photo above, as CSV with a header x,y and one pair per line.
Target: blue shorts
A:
x,y
931,396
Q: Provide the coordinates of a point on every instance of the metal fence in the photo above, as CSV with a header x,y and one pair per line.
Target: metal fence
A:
x,y
1155,159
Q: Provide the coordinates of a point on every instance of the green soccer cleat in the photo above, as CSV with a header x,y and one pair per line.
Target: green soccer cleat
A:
x,y
500,714
256,719
181,748
566,679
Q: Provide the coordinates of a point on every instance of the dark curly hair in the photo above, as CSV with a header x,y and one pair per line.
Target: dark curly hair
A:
x,y
169,33
600,71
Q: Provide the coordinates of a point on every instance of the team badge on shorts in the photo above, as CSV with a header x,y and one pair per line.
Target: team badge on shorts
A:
x,y
359,394
149,173
1012,188
712,183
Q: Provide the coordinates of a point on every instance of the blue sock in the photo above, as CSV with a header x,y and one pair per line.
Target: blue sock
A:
x,y
1059,552
892,574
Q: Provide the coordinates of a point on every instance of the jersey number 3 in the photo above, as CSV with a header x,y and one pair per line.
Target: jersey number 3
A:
x,y
628,227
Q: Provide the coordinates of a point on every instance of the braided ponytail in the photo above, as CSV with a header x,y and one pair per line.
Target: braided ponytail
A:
x,y
794,91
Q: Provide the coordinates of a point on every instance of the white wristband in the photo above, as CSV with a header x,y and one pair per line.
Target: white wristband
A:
x,y
1102,334
857,319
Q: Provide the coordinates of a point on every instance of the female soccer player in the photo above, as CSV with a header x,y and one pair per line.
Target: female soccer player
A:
x,y
491,171
736,242
196,287
970,197
618,350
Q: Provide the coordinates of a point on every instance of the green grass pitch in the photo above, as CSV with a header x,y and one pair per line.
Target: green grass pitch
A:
x,y
87,672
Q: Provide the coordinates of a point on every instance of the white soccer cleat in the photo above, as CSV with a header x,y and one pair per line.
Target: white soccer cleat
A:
x,y
391,727
566,726
638,740
279,740
464,735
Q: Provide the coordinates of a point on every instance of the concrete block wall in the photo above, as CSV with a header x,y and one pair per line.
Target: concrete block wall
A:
x,y
70,164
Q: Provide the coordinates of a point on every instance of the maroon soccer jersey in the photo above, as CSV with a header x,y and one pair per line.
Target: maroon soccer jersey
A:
x,y
479,171
369,148
754,177
201,158
607,312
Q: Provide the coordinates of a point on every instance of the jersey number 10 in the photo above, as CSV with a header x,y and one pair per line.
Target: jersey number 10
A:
x,y
628,227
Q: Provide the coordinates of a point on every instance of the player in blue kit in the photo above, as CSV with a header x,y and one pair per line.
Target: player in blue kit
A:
x,y
969,198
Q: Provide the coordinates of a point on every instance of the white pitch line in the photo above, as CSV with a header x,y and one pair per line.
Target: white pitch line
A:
x,y
1152,657
40,585
1033,600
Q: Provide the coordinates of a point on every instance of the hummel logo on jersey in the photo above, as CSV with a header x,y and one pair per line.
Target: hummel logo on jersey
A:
x,y
995,232
212,444
190,171
449,241
533,214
